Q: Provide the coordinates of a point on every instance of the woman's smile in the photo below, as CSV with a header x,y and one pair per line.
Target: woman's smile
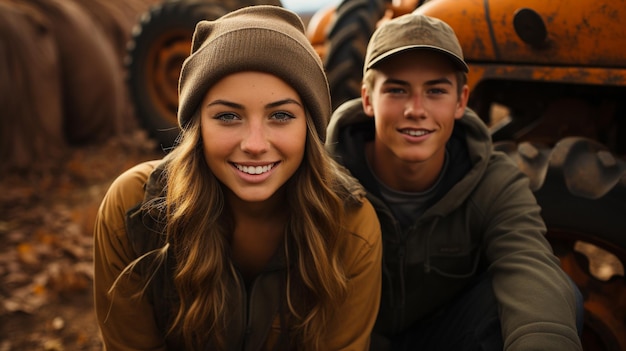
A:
x,y
252,169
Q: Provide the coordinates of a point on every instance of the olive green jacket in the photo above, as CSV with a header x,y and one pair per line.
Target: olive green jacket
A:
x,y
484,219
129,322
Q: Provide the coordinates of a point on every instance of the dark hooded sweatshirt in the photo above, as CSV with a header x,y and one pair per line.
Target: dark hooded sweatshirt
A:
x,y
483,219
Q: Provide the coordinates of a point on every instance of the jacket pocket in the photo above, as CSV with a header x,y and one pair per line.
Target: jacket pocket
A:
x,y
453,260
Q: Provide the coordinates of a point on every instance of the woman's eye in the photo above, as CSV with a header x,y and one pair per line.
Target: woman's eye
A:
x,y
282,116
227,117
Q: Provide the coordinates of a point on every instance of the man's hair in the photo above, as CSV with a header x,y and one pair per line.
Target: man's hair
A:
x,y
461,80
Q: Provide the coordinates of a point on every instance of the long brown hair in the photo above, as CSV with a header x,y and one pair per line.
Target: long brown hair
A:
x,y
198,228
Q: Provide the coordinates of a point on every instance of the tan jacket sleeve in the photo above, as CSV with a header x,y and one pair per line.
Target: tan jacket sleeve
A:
x,y
126,321
352,324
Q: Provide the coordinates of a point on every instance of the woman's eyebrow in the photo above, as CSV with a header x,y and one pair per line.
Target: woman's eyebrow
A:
x,y
225,103
241,107
283,102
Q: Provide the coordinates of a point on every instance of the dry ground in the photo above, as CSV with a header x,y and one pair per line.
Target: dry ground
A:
x,y
46,225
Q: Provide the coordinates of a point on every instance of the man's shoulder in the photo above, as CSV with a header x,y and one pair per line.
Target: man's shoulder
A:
x,y
501,165
349,113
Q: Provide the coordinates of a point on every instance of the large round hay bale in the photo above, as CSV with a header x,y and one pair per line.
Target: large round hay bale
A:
x,y
92,81
31,112
116,18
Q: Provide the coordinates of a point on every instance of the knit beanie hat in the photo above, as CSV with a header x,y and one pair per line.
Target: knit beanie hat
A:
x,y
410,32
261,38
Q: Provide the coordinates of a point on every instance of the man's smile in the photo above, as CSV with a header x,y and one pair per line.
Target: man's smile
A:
x,y
414,132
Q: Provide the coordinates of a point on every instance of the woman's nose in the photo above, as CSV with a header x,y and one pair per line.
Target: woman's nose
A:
x,y
255,141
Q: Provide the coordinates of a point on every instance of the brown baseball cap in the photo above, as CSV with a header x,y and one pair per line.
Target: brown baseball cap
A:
x,y
413,31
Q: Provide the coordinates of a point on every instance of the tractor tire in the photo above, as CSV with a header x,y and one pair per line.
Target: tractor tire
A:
x,y
354,23
581,188
159,45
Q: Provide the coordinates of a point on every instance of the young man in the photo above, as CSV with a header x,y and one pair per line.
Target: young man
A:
x,y
466,264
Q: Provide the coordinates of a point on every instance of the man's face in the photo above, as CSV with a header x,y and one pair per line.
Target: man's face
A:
x,y
414,100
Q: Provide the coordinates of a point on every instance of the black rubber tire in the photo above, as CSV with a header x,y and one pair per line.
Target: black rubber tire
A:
x,y
175,19
158,117
354,23
580,187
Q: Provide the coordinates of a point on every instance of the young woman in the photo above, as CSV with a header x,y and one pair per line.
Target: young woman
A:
x,y
246,236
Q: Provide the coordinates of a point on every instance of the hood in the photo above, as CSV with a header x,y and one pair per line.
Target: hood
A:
x,y
470,148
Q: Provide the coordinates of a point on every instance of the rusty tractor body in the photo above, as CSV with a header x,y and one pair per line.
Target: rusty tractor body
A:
x,y
547,77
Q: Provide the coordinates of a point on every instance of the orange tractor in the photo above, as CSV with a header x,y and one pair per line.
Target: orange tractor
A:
x,y
547,77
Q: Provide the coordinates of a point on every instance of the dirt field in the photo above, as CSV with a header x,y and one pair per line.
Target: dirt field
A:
x,y
46,225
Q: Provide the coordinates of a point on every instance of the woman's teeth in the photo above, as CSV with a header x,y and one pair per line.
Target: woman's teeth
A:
x,y
254,169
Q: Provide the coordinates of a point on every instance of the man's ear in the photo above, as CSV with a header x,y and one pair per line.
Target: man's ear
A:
x,y
366,101
462,103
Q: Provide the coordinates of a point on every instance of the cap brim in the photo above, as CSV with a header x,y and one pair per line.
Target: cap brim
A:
x,y
456,60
